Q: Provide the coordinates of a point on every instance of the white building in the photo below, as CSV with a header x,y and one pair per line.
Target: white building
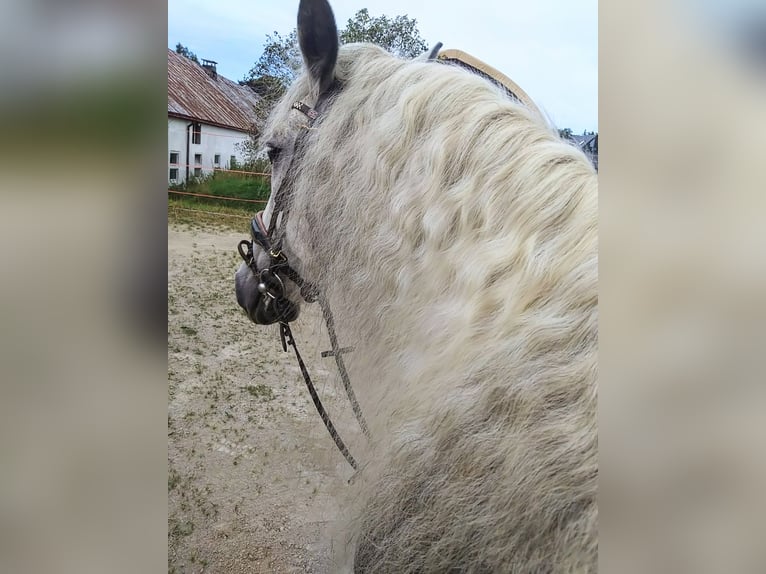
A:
x,y
207,116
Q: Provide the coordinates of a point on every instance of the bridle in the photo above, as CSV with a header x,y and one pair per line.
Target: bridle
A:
x,y
271,285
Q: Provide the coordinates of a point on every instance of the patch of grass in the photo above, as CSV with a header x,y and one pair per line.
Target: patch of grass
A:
x,y
180,528
173,479
236,185
237,192
206,216
260,391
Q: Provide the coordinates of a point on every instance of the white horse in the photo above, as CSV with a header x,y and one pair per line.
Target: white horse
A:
x,y
455,236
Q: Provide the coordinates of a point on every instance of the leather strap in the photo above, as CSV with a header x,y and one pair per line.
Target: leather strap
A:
x,y
287,339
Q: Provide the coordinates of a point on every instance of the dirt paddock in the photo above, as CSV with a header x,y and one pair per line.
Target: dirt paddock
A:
x,y
251,468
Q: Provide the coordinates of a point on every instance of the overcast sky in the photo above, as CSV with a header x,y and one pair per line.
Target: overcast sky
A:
x,y
548,47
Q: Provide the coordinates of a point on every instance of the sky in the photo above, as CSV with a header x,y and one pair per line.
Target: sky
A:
x,y
548,47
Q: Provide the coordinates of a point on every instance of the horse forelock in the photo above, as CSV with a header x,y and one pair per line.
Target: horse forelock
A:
x,y
456,235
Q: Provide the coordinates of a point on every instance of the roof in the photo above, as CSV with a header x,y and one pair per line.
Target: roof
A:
x,y
194,95
587,143
581,139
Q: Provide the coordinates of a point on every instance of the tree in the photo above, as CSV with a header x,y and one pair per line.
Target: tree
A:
x,y
281,59
277,67
399,35
185,52
566,133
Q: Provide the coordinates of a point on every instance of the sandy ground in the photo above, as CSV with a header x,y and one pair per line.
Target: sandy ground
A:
x,y
251,469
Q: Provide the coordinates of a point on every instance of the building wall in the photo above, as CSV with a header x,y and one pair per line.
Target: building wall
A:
x,y
213,141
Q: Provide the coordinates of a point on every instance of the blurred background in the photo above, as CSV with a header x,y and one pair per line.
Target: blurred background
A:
x,y
82,304
83,301
682,97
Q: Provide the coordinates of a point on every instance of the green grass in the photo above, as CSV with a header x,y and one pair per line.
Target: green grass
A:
x,y
173,479
179,529
232,214
229,185
201,215
261,391
174,202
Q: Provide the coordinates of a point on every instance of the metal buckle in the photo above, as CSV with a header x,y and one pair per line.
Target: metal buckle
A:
x,y
309,112
271,284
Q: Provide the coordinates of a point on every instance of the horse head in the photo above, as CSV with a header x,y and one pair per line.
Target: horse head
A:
x,y
268,287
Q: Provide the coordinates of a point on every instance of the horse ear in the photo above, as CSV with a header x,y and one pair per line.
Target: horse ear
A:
x,y
318,39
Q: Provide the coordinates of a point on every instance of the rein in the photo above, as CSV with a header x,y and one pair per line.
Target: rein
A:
x,y
287,339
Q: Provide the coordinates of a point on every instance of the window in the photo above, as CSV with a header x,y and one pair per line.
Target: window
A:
x,y
196,133
197,159
197,172
233,162
173,170
217,160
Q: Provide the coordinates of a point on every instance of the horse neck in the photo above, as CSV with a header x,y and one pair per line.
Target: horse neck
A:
x,y
446,214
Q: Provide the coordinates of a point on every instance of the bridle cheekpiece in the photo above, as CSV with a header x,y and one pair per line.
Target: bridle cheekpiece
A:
x,y
270,284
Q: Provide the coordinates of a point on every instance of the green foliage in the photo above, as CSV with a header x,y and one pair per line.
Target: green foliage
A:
x,y
260,164
281,59
277,66
398,35
184,51
269,78
252,149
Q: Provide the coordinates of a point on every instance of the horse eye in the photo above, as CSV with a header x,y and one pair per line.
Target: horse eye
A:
x,y
273,153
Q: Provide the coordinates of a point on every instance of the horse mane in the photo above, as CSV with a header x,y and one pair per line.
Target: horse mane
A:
x,y
456,237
